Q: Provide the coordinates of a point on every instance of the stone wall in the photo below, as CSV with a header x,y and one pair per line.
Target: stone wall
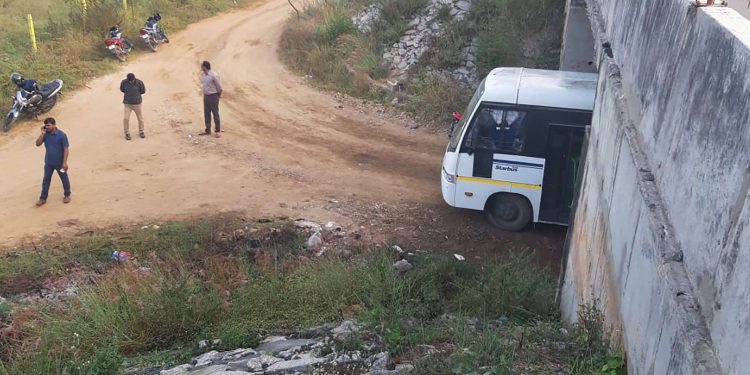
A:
x,y
658,239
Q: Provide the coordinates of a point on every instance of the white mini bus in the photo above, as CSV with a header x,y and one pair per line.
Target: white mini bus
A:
x,y
516,151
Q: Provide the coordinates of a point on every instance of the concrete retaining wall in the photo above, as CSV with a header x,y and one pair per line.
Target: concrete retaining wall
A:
x,y
659,235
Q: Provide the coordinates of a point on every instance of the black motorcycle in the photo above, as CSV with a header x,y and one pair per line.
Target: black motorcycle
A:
x,y
33,102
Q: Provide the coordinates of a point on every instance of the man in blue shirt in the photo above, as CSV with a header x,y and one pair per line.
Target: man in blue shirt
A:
x,y
55,159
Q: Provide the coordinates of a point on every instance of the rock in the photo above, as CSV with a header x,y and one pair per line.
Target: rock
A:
x,y
216,370
289,353
238,354
346,358
459,257
206,359
315,332
402,265
333,227
282,345
315,241
259,363
302,364
346,331
464,5
305,224
380,361
404,369
240,365
273,339
383,372
202,345
367,18
470,65
179,370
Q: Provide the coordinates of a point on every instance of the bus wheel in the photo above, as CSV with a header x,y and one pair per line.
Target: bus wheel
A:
x,y
510,212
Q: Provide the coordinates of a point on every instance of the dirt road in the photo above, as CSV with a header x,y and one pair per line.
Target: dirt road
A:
x,y
287,149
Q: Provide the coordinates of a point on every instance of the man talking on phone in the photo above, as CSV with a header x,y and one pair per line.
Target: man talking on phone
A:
x,y
55,159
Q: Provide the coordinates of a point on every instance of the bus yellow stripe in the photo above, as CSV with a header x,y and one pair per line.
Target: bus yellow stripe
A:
x,y
497,182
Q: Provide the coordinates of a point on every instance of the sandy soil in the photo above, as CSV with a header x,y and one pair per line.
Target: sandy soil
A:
x,y
286,150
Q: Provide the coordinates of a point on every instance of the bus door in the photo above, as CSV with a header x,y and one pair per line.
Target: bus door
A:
x,y
562,166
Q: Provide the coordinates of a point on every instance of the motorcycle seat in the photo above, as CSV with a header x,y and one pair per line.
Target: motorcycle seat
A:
x,y
50,87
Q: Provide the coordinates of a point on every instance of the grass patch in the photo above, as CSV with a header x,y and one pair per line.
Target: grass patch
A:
x,y
71,44
207,279
325,44
433,96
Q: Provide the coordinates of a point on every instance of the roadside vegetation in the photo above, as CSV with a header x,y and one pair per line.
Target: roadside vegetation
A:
x,y
324,44
71,41
239,281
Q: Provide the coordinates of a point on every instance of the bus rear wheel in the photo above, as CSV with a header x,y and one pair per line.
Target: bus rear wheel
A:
x,y
509,212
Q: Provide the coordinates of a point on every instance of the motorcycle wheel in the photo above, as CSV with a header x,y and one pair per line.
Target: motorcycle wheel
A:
x,y
47,106
9,120
151,44
120,55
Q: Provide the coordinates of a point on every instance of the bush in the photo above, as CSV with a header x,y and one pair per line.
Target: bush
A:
x,y
336,22
434,97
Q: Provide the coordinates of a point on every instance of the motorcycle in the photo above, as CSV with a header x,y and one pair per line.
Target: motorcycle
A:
x,y
33,103
117,43
152,34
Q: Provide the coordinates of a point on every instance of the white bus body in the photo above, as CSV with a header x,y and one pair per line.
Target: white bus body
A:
x,y
516,150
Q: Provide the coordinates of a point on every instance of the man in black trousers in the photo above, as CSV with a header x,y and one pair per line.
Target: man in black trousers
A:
x,y
211,84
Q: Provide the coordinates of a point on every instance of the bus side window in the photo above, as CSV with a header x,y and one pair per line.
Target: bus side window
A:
x,y
514,131
497,129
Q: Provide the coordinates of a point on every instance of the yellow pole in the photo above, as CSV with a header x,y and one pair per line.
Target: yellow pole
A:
x,y
85,12
125,5
32,34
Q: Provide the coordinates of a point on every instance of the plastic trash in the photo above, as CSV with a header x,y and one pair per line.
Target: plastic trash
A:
x,y
120,256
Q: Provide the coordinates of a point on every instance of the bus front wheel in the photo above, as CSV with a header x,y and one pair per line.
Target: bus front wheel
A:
x,y
510,212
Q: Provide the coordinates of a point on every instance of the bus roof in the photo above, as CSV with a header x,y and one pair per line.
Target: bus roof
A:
x,y
544,88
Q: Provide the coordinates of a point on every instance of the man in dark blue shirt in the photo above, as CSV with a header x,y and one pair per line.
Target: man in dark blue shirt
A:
x,y
55,159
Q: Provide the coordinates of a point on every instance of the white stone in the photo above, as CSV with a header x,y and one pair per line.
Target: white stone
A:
x,y
315,241
380,361
179,370
402,265
306,224
237,354
206,359
303,364
259,363
346,331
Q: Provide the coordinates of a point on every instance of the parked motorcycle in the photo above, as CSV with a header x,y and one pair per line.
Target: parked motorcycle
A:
x,y
117,43
32,101
152,34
